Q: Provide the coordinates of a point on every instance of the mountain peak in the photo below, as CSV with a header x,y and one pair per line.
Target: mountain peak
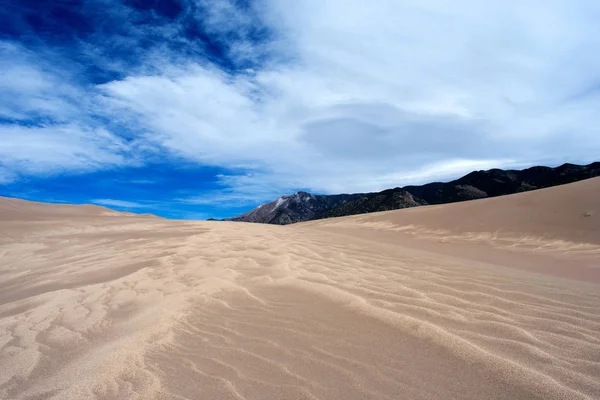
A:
x,y
303,196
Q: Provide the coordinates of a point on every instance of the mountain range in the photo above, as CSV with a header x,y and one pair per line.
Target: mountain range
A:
x,y
303,206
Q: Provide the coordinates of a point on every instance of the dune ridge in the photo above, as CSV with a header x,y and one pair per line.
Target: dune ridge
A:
x,y
402,304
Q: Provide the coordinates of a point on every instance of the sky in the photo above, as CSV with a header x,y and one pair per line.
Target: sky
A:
x,y
207,108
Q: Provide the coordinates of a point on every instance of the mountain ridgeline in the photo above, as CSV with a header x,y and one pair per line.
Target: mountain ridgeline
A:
x,y
303,206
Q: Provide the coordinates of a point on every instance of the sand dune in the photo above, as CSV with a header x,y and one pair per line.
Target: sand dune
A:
x,y
490,299
556,230
567,212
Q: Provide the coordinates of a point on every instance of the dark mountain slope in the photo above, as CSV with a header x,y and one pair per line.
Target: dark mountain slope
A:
x,y
497,182
391,199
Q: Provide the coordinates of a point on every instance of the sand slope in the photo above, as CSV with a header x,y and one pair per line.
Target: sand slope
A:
x,y
491,299
567,212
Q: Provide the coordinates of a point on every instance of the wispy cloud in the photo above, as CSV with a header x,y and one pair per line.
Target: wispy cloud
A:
x,y
6,176
238,191
56,148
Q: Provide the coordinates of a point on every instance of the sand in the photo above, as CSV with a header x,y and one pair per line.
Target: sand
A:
x,y
489,299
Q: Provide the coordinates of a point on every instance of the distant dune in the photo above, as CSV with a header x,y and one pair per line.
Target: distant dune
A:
x,y
489,299
567,212
12,209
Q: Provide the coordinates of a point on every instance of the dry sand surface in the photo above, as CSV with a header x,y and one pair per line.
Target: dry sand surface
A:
x,y
490,299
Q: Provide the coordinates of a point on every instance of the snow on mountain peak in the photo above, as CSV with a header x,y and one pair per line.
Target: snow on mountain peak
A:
x,y
280,201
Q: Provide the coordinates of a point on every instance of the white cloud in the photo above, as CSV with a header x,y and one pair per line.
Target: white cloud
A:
x,y
202,114
33,87
371,95
58,148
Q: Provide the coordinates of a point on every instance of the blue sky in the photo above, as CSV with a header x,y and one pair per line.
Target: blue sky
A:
x,y
206,108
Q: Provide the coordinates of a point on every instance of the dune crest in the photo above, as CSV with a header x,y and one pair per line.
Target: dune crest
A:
x,y
494,299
